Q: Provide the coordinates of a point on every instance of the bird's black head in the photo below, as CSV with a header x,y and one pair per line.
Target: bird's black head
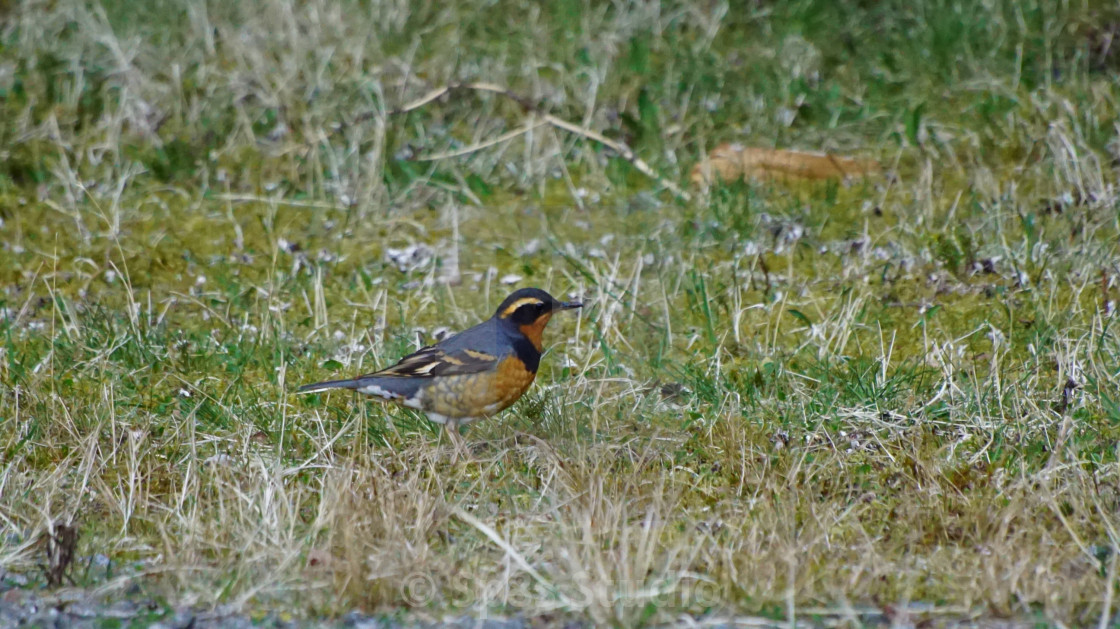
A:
x,y
531,306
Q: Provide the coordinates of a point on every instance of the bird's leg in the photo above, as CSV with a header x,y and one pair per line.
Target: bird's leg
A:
x,y
452,427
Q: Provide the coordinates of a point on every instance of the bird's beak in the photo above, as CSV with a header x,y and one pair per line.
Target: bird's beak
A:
x,y
568,305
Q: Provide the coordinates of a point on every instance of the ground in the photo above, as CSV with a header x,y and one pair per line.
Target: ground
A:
x,y
891,399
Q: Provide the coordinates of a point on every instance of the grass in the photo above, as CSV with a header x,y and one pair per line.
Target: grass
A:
x,y
894,400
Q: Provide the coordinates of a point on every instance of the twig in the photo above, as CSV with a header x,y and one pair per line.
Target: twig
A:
x,y
477,87
481,145
624,151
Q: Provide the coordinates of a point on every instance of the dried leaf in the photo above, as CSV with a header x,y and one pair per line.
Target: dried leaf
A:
x,y
728,162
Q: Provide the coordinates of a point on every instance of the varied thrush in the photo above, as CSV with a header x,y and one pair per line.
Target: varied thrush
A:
x,y
473,374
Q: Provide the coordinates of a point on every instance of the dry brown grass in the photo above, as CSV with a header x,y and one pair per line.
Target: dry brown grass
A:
x,y
893,401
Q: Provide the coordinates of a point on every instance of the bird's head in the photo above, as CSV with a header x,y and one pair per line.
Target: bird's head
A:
x,y
529,310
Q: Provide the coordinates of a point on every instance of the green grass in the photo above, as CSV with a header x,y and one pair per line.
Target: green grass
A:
x,y
789,401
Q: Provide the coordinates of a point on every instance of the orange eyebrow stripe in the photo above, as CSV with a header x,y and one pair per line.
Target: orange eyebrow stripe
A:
x,y
510,309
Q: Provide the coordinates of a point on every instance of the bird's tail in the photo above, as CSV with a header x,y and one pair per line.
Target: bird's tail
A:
x,y
353,383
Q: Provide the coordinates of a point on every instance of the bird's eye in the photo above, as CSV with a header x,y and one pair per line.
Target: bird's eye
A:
x,y
533,310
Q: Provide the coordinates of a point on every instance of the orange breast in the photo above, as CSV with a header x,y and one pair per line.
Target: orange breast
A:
x,y
479,394
511,381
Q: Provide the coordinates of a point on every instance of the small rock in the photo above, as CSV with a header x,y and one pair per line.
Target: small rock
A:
x,y
530,247
222,460
409,258
18,580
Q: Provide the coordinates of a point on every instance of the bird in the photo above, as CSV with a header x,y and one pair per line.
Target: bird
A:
x,y
474,374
